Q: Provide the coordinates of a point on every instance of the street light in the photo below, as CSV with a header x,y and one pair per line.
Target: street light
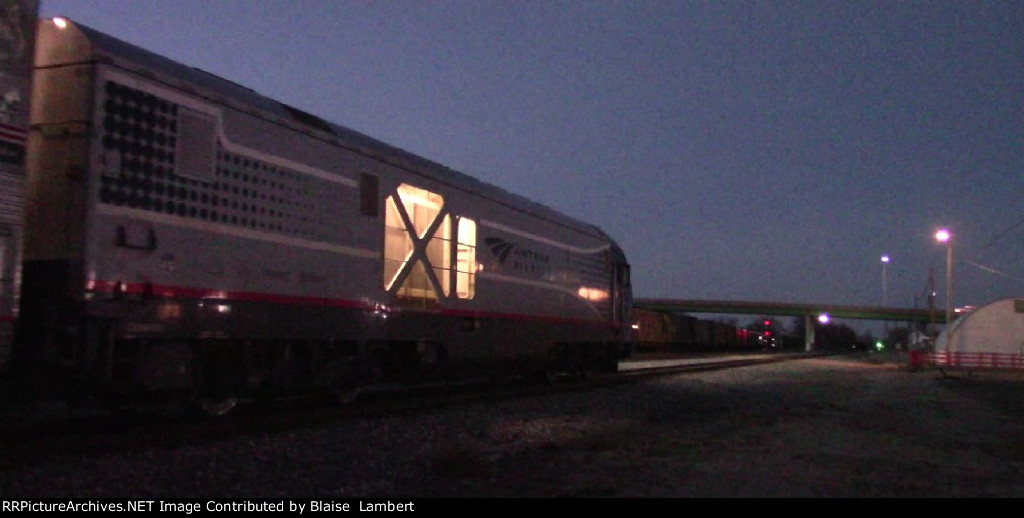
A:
x,y
885,262
945,236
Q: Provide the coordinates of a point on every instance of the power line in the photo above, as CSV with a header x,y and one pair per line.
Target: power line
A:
x,y
1001,236
993,270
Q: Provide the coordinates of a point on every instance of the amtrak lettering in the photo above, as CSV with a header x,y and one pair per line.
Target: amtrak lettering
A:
x,y
524,260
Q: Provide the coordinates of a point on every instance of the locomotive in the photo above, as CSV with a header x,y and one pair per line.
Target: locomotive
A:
x,y
185,234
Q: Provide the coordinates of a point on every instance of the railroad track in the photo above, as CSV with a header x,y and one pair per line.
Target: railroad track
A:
x,y
97,432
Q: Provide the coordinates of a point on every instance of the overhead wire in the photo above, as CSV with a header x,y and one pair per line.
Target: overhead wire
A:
x,y
993,270
1001,236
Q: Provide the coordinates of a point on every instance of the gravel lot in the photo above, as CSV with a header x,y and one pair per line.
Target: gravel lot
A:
x,y
858,426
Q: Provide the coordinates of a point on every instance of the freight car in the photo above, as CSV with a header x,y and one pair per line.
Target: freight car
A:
x,y
185,234
667,331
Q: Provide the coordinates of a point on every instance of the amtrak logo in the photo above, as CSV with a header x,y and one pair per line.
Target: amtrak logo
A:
x,y
499,247
523,260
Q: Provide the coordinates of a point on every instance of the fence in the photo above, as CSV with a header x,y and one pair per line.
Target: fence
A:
x,y
966,361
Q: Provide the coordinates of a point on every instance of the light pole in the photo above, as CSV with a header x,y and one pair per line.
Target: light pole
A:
x,y
885,264
945,236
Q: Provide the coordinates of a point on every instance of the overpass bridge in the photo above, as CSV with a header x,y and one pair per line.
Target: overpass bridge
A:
x,y
807,310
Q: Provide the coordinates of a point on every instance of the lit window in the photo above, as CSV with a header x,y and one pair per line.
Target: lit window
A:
x,y
409,252
465,259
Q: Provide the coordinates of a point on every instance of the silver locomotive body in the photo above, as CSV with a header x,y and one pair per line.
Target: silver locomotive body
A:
x,y
184,232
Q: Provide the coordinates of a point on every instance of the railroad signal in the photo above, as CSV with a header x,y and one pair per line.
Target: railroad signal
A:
x,y
768,333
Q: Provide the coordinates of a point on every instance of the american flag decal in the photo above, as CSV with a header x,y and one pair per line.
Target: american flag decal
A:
x,y
13,134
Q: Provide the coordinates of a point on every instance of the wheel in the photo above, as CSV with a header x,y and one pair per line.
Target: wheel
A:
x,y
585,365
216,406
346,395
586,371
552,367
219,384
431,356
550,375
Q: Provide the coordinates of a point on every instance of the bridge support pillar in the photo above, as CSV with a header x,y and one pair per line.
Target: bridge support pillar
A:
x,y
809,333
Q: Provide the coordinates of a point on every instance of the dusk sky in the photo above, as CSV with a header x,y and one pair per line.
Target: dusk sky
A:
x,y
754,151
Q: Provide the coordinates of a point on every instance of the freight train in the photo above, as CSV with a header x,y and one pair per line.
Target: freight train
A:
x,y
184,234
663,331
